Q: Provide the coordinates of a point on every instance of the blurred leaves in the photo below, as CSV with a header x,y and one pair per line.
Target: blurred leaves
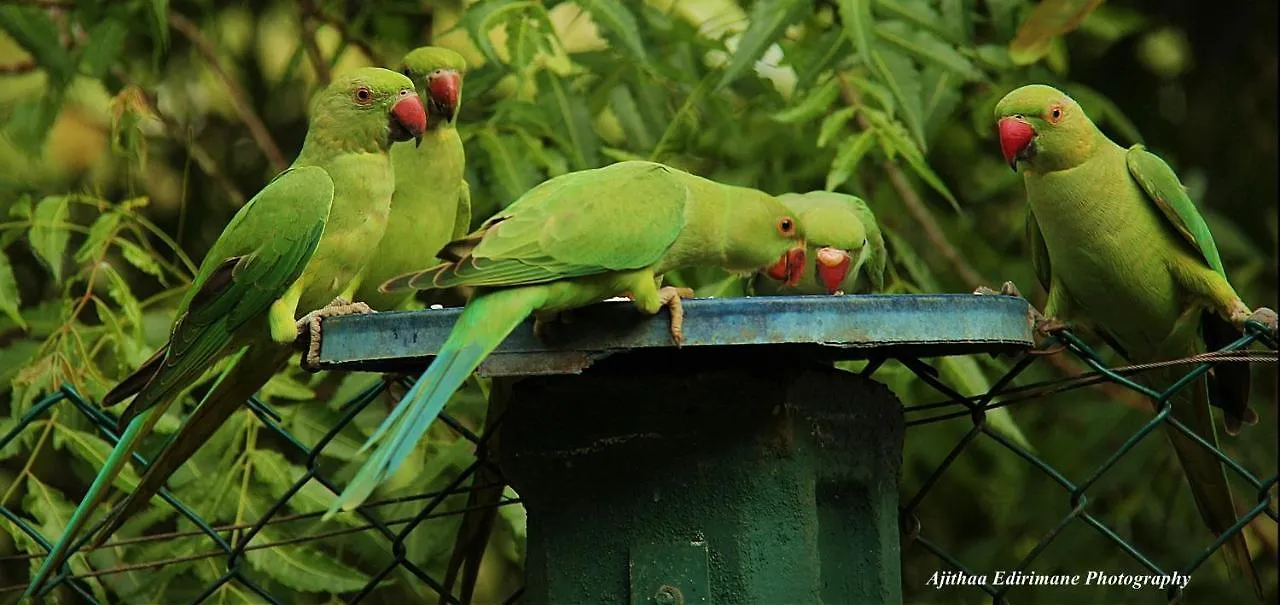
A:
x,y
48,236
1050,19
34,29
129,154
10,298
768,19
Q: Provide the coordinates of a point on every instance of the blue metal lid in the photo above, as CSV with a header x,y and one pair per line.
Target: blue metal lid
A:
x,y
840,327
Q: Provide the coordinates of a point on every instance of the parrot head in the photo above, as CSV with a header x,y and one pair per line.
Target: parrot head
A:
x,y
762,232
837,237
1042,127
376,102
437,72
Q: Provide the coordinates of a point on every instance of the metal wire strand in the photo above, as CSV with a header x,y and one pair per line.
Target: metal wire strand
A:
x,y
239,526
1232,353
157,564
1045,388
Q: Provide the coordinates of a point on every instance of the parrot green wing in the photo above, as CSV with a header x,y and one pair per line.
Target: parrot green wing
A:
x,y
1039,252
553,231
1162,186
875,239
462,220
1229,383
238,282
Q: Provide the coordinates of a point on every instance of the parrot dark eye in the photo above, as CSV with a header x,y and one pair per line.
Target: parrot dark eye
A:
x,y
363,95
1055,113
786,226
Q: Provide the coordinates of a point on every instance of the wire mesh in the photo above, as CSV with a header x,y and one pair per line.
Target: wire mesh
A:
x,y
232,542
1001,394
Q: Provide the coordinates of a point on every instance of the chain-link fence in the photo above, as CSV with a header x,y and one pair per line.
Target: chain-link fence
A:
x,y
1075,493
232,543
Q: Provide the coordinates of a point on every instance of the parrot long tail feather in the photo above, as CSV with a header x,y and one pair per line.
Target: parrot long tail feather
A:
x,y
136,381
1205,473
129,441
241,380
483,325
1229,382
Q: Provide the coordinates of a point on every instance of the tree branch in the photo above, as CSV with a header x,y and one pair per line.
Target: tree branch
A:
x,y
179,133
257,130
912,201
308,11
311,10
18,68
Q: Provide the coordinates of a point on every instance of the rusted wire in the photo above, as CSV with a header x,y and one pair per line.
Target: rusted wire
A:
x,y
230,528
276,544
1050,387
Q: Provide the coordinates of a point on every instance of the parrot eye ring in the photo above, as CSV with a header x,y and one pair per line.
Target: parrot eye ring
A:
x,y
786,226
1055,113
404,92
363,95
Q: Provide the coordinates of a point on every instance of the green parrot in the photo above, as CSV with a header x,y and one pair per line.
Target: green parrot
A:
x,y
295,245
432,202
844,240
1123,253
574,240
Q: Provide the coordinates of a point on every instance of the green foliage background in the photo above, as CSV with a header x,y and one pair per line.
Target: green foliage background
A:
x,y
133,130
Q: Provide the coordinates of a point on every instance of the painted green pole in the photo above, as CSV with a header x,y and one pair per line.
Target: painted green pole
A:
x,y
676,478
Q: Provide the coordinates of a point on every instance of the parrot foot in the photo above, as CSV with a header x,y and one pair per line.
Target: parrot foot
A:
x,y
1266,317
670,298
309,327
546,325
1006,289
1043,325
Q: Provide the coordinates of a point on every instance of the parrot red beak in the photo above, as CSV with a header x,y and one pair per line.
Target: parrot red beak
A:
x,y
409,119
1016,137
832,266
445,88
789,268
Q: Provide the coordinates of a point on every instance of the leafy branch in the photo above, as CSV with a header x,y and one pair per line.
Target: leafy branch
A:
x,y
314,12
308,11
177,132
257,130
911,200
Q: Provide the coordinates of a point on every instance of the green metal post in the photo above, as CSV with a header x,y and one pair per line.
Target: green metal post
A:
x,y
707,477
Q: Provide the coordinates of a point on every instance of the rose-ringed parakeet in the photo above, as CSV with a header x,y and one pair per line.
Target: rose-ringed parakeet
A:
x,y
844,240
1122,251
572,241
432,202
296,245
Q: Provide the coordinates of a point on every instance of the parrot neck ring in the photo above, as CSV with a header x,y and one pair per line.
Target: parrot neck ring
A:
x,y
831,266
1017,140
408,119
